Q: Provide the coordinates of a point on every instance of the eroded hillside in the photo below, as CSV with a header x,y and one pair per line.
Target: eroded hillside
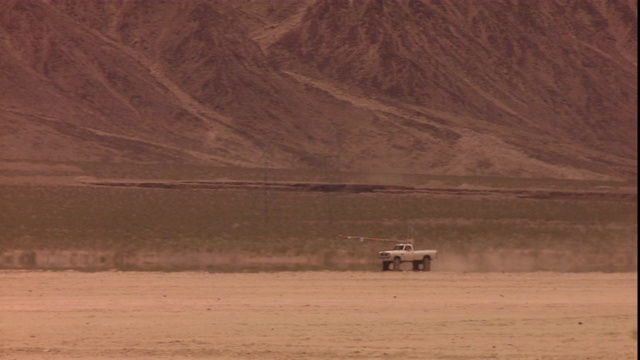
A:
x,y
545,89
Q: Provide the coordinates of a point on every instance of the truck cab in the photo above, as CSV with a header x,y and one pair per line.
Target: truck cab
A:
x,y
403,247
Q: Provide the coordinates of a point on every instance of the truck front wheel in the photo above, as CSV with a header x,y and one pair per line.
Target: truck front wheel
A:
x,y
385,265
426,264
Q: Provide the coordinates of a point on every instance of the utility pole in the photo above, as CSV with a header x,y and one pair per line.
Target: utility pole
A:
x,y
329,175
267,149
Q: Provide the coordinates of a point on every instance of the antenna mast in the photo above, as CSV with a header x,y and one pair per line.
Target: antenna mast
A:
x,y
363,238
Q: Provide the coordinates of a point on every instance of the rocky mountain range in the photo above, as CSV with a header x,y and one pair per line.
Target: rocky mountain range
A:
x,y
492,88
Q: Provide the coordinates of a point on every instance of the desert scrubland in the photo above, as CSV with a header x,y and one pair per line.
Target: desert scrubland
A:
x,y
150,217
174,177
249,267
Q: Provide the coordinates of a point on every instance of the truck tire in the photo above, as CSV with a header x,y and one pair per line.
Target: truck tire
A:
x,y
396,264
426,264
385,265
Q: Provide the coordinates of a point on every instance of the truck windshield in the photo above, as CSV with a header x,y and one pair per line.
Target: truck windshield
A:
x,y
398,247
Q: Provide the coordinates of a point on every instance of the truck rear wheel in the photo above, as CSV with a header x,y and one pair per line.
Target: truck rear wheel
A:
x,y
426,264
396,264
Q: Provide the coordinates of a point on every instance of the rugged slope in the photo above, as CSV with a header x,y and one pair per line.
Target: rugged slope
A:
x,y
501,88
546,77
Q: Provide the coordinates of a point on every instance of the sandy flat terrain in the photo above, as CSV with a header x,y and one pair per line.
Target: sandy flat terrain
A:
x,y
317,315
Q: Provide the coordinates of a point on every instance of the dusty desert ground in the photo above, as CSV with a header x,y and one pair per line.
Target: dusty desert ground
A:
x,y
317,315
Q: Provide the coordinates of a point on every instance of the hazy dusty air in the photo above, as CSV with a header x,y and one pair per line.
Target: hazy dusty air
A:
x,y
193,162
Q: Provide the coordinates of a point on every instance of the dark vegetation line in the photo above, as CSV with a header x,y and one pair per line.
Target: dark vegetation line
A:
x,y
370,188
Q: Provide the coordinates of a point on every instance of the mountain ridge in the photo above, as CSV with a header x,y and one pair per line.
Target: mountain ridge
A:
x,y
508,88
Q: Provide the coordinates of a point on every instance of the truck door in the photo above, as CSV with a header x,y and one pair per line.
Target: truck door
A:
x,y
403,253
409,255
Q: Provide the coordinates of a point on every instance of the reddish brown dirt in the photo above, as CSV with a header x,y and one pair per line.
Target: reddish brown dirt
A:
x,y
317,315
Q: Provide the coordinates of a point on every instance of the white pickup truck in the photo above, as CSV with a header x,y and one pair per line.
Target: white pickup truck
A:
x,y
400,253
